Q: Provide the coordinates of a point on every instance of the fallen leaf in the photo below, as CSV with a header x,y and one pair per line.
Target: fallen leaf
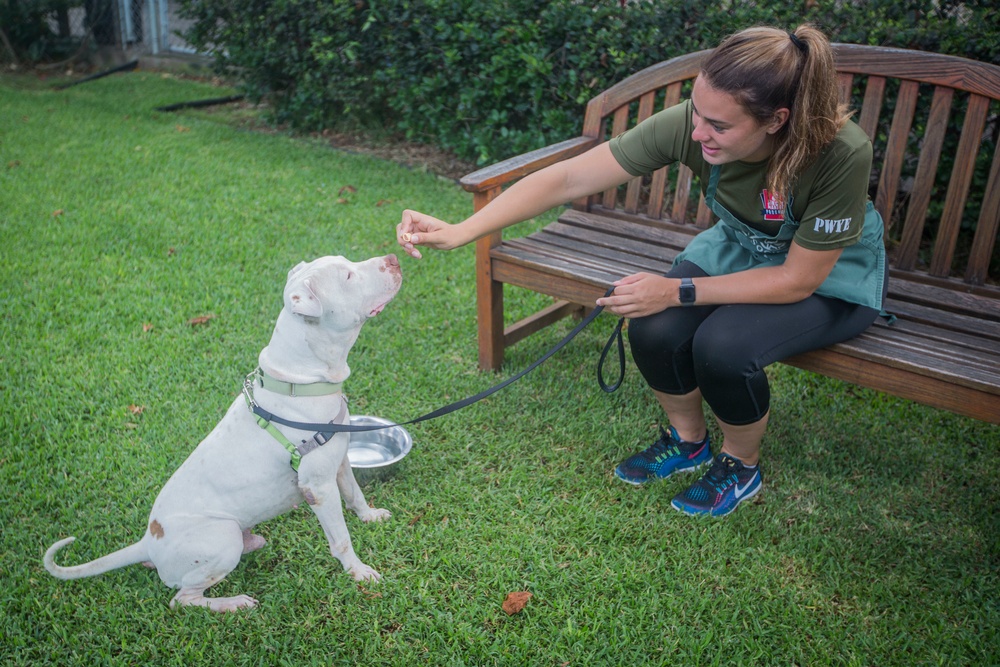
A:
x,y
56,213
147,327
171,252
181,128
349,189
201,319
341,200
137,409
13,164
515,602
383,202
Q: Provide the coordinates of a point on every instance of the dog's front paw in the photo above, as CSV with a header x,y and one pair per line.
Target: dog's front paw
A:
x,y
375,514
362,572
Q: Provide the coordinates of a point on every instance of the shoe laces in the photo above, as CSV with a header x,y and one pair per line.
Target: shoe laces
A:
x,y
723,472
665,445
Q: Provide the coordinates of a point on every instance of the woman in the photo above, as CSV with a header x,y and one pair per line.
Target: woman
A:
x,y
795,263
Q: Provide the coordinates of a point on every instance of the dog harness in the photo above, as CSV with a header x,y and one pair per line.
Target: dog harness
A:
x,y
265,419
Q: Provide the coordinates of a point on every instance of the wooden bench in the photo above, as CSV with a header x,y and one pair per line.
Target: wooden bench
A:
x,y
933,172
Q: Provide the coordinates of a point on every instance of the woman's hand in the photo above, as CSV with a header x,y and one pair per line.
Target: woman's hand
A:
x,y
641,294
416,228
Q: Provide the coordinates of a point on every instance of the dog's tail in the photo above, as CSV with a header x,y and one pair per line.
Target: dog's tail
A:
x,y
135,553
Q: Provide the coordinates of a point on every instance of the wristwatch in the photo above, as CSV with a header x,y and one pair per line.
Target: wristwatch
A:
x,y
686,293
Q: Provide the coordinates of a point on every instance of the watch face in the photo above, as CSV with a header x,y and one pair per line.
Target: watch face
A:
x,y
686,293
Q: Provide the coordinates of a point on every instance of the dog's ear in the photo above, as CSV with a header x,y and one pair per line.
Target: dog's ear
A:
x,y
295,269
304,300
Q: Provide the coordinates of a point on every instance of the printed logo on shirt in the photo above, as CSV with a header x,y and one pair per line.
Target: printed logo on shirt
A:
x,y
832,226
774,206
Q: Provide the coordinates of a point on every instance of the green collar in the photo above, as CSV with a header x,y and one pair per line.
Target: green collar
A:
x,y
290,389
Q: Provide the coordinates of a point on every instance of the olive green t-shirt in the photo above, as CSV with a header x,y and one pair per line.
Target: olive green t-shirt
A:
x,y
828,198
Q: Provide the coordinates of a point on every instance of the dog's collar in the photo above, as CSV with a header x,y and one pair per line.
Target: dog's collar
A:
x,y
291,389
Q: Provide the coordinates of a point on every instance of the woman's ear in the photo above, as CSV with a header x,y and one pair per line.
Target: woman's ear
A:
x,y
778,121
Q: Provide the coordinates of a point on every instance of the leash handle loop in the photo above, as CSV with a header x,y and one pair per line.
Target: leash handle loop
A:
x,y
615,335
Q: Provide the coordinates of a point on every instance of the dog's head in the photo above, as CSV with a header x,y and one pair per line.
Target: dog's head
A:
x,y
342,294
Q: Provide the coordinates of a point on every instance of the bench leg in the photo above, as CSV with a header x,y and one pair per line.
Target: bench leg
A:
x,y
489,310
489,294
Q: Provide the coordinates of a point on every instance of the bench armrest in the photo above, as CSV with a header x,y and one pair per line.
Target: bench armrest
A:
x,y
514,168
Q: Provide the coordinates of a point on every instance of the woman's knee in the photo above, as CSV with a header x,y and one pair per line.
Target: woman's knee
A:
x,y
661,349
650,336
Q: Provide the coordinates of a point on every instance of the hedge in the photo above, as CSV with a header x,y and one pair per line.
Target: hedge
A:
x,y
489,79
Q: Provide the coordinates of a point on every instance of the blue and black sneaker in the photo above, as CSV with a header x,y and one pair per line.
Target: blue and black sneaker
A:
x,y
726,484
666,456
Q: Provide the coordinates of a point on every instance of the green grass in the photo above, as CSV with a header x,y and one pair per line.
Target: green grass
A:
x,y
876,541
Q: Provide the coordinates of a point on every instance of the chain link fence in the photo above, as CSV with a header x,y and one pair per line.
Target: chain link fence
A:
x,y
135,27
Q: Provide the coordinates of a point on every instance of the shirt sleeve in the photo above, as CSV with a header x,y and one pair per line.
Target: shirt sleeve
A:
x,y
834,208
661,139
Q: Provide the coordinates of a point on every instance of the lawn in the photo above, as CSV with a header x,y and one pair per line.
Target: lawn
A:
x,y
142,258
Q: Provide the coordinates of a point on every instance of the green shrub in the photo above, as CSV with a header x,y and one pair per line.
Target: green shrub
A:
x,y
492,79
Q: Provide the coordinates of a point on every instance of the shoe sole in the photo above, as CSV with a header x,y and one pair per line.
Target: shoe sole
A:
x,y
748,496
655,478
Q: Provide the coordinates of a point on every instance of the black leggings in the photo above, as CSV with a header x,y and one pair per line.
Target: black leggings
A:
x,y
723,350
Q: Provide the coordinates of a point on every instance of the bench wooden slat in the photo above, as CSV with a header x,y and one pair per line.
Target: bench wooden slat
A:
x,y
845,85
923,183
659,187
608,269
958,185
943,303
986,229
871,107
937,69
649,231
682,194
945,335
597,245
619,125
892,166
897,351
635,185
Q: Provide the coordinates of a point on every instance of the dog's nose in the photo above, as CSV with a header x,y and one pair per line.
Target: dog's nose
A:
x,y
392,260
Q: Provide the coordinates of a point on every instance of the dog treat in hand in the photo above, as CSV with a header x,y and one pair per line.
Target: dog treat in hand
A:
x,y
405,237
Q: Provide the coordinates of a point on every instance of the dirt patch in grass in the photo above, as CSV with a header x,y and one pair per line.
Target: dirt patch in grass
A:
x,y
413,155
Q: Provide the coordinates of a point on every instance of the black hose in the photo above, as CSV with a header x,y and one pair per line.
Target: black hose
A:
x,y
201,103
127,67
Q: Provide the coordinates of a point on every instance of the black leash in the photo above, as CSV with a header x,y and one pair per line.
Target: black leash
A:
x,y
330,428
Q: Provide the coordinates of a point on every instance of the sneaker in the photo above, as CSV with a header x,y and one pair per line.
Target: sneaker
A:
x,y
726,484
668,455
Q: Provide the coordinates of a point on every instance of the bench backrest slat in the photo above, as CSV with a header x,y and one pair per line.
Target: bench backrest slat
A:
x,y
958,185
986,229
923,180
926,184
871,106
888,185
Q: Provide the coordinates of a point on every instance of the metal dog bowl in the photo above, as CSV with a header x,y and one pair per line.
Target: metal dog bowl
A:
x,y
377,454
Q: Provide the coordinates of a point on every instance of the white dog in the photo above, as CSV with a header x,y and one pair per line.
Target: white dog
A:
x,y
240,474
